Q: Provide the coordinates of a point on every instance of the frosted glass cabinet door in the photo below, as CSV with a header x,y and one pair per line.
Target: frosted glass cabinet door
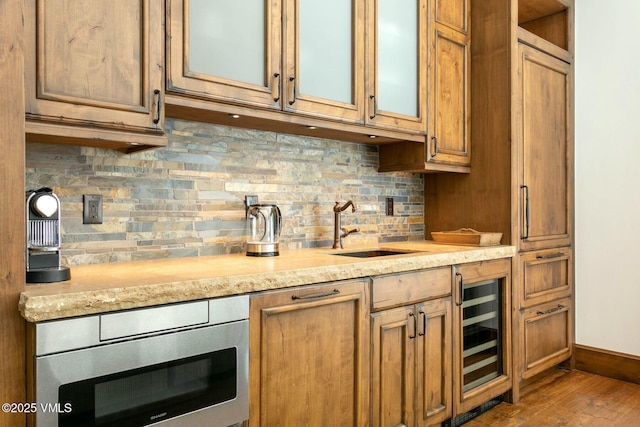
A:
x,y
326,66
226,50
397,61
324,51
219,46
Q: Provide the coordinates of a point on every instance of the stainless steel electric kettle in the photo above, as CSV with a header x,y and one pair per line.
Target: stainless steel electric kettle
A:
x,y
264,224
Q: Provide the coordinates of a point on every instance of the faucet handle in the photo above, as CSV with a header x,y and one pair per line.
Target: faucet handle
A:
x,y
346,232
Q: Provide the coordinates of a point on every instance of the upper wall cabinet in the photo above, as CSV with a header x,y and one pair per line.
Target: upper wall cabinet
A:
x,y
447,146
300,56
94,72
449,84
351,70
397,64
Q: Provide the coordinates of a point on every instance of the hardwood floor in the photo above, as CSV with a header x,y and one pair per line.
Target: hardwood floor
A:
x,y
566,398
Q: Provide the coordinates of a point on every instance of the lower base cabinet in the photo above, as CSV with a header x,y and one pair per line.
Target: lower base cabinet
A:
x,y
412,349
411,340
411,365
545,339
545,333
309,356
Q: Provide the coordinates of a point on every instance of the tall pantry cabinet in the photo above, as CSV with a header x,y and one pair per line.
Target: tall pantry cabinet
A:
x,y
521,180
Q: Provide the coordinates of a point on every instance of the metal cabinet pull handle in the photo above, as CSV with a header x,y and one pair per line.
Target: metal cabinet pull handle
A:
x,y
527,210
277,86
461,284
415,326
424,323
156,106
375,106
435,146
556,255
295,94
551,310
318,295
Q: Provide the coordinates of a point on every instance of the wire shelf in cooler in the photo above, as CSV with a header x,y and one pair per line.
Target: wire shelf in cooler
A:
x,y
478,319
480,300
480,348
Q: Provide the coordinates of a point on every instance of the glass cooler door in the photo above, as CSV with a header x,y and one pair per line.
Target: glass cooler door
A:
x,y
482,334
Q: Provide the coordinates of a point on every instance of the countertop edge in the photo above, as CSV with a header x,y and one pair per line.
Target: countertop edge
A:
x,y
39,304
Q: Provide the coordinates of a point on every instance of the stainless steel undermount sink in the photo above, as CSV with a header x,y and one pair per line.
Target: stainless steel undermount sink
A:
x,y
371,253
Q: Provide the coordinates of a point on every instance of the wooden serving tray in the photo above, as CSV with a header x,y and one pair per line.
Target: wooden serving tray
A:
x,y
467,236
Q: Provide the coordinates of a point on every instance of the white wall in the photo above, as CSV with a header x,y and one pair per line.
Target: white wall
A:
x,y
608,174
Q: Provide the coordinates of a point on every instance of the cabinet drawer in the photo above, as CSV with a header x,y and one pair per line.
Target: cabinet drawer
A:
x,y
546,276
546,336
406,288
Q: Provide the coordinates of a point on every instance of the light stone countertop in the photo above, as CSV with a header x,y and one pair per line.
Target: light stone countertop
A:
x,y
109,287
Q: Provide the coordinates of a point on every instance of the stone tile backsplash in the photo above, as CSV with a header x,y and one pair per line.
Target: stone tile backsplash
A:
x,y
187,199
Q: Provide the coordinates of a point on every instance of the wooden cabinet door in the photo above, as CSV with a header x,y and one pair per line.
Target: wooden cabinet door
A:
x,y
323,63
309,356
545,276
97,63
393,367
397,65
226,51
546,336
449,96
482,333
545,150
434,367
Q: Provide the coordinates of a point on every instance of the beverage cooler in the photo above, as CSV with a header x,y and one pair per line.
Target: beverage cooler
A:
x,y
482,320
